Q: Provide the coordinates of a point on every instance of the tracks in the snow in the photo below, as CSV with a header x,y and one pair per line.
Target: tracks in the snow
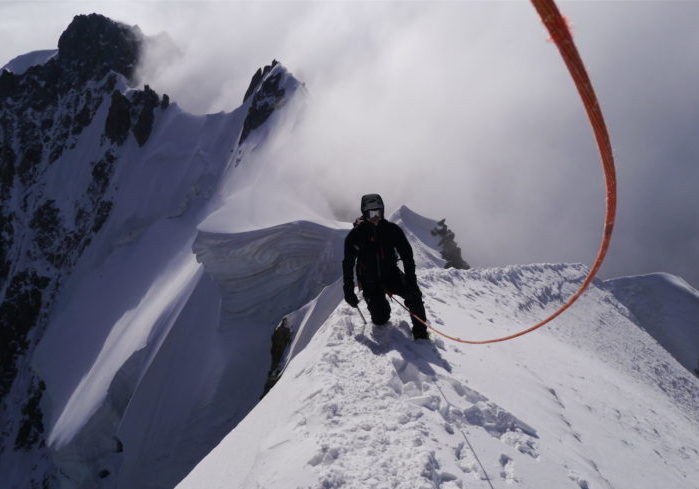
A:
x,y
391,414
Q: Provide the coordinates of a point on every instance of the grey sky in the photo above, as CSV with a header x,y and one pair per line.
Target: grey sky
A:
x,y
460,110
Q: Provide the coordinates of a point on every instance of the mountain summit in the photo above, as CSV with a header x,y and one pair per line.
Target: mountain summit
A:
x,y
91,47
93,44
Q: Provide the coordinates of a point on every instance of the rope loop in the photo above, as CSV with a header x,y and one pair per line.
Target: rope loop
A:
x,y
560,34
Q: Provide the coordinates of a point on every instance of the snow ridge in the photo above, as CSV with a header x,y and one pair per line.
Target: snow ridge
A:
x,y
363,406
668,308
20,64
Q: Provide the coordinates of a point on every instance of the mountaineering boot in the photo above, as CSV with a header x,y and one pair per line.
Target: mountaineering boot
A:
x,y
420,333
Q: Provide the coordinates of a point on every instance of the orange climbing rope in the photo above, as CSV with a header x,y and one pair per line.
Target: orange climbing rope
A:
x,y
560,34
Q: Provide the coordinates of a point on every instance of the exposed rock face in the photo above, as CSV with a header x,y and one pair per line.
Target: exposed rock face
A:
x,y
31,430
45,110
92,45
118,119
256,79
144,104
449,249
266,92
137,115
44,114
281,338
19,312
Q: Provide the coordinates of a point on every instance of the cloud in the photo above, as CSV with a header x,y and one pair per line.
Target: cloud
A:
x,y
460,110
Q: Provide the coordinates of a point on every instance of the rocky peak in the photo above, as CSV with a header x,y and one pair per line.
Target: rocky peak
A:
x,y
257,79
94,44
267,92
88,49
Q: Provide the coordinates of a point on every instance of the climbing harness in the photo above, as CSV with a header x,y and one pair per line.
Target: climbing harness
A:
x,y
560,34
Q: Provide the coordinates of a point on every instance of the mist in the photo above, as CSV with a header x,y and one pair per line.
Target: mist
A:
x,y
459,110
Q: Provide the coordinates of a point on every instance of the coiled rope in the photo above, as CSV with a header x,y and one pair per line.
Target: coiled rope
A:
x,y
560,34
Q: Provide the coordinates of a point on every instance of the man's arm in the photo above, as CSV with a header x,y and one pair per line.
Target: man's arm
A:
x,y
348,261
405,251
348,270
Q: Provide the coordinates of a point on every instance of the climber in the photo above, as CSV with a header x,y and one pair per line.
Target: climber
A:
x,y
375,245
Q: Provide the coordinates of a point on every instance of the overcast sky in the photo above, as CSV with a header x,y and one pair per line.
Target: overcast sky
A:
x,y
460,110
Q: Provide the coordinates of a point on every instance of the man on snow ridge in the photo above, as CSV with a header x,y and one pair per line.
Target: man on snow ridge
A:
x,y
375,245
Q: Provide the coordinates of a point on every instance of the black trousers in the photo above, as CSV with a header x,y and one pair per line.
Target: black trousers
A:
x,y
395,284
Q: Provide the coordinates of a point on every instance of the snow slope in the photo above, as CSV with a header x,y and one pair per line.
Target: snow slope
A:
x,y
139,322
668,308
20,64
590,401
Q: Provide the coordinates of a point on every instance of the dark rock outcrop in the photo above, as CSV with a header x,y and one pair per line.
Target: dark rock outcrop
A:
x,y
146,101
136,114
31,428
450,251
6,240
118,121
254,83
266,92
93,44
19,312
47,225
91,47
7,167
281,338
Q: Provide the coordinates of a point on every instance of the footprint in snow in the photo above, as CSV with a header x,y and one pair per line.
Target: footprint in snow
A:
x,y
508,469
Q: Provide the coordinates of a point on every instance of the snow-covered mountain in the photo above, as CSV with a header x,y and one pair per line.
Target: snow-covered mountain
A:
x,y
591,401
668,308
103,186
172,316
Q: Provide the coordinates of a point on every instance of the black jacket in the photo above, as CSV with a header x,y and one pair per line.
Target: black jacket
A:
x,y
376,250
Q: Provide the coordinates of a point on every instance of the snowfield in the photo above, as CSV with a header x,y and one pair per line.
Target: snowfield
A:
x,y
590,401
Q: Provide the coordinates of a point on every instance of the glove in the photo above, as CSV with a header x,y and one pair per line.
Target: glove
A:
x,y
350,296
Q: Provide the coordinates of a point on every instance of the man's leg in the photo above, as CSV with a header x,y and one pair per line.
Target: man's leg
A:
x,y
413,301
376,301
